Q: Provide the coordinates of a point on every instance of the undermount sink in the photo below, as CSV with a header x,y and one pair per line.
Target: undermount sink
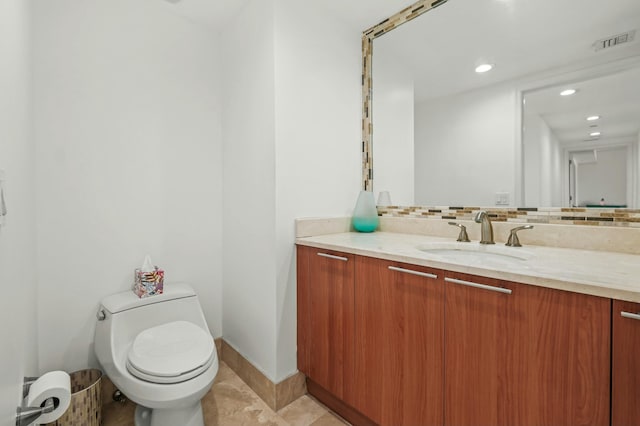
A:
x,y
477,254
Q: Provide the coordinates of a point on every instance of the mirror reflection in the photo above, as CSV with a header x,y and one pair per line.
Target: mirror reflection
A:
x,y
446,134
594,131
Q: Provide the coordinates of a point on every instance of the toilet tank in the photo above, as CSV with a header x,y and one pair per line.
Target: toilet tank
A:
x,y
126,315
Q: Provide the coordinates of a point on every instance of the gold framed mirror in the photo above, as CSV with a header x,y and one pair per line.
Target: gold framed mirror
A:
x,y
621,60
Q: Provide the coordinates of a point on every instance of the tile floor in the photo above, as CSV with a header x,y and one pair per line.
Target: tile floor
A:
x,y
232,403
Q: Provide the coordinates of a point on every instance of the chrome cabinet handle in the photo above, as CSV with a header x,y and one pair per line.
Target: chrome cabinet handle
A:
x,y
630,315
101,315
330,256
476,285
409,271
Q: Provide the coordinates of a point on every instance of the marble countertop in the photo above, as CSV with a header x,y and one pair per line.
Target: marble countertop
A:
x,y
598,273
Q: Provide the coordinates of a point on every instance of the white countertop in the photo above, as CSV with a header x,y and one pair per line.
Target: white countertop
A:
x,y
605,274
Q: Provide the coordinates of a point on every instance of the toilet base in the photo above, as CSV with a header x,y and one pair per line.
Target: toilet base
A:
x,y
188,416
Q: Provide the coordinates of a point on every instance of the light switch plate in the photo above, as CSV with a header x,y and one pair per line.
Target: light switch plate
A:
x,y
502,199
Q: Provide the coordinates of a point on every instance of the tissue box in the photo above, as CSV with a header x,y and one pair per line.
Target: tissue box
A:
x,y
148,283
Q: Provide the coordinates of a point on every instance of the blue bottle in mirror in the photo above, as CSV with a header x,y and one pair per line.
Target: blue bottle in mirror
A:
x,y
365,215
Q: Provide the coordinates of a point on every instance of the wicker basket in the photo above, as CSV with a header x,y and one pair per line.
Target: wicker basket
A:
x,y
85,408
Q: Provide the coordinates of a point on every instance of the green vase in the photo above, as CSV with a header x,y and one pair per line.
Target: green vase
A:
x,y
365,214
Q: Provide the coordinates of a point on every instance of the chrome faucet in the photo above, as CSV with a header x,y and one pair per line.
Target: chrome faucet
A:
x,y
513,240
486,235
463,237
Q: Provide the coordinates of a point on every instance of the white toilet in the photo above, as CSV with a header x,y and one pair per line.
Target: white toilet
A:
x,y
159,352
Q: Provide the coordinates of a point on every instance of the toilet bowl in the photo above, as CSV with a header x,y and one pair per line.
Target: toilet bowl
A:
x,y
159,352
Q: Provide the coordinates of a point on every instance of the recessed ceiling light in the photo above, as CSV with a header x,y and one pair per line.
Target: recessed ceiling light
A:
x,y
594,134
593,118
568,92
484,68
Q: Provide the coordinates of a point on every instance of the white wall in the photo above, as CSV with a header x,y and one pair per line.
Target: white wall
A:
x,y
128,152
636,187
606,178
116,82
393,131
465,147
291,147
318,154
18,353
542,164
248,128
533,129
557,184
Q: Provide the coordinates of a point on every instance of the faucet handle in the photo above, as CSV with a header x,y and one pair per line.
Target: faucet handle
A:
x,y
462,237
513,240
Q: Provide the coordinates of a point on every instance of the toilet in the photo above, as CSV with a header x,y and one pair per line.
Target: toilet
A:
x,y
159,352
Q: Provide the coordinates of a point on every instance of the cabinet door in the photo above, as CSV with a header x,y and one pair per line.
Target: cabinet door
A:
x,y
536,356
625,405
325,318
399,343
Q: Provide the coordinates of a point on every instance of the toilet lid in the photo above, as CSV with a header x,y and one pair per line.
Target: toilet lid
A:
x,y
170,351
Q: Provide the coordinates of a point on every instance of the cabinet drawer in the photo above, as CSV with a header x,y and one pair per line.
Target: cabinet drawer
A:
x,y
625,388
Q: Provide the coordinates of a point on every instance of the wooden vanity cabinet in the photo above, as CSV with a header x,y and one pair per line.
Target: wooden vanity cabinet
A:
x,y
399,322
536,356
325,318
394,344
625,387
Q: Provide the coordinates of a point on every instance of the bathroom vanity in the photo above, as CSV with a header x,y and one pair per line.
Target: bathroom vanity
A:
x,y
405,329
400,329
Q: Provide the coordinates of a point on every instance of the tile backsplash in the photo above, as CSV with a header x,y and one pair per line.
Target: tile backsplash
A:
x,y
549,215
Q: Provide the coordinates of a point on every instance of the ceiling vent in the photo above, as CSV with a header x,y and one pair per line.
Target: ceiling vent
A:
x,y
614,40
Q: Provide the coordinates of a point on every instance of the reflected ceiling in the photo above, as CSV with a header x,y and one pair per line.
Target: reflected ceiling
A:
x,y
615,98
504,33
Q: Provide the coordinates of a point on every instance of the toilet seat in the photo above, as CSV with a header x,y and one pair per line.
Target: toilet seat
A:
x,y
171,353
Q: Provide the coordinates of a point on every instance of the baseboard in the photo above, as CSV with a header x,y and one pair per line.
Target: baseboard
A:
x,y
218,343
275,395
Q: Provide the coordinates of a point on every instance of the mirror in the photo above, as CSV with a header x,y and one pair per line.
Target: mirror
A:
x,y
443,134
